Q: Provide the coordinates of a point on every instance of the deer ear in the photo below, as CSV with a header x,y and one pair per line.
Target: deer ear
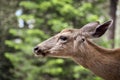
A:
x,y
101,29
90,26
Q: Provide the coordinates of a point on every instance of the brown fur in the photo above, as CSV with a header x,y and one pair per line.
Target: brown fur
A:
x,y
76,44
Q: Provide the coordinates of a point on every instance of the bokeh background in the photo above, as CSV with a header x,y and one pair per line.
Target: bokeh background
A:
x,y
25,23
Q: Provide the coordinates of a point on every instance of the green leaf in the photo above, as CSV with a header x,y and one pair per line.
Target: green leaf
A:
x,y
29,4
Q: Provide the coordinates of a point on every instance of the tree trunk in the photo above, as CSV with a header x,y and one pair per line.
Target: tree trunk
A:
x,y
113,9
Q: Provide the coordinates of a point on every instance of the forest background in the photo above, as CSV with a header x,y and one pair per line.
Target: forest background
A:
x,y
25,23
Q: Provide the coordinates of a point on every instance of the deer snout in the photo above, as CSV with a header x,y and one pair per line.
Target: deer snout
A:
x,y
36,48
39,51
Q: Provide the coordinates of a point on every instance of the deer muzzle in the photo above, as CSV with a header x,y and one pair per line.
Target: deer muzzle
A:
x,y
40,51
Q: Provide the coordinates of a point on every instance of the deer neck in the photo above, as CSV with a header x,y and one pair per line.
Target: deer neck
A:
x,y
101,61
90,55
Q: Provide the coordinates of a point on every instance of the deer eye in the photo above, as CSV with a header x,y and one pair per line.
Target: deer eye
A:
x,y
63,38
83,39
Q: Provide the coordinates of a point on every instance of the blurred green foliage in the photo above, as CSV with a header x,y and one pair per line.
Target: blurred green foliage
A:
x,y
42,19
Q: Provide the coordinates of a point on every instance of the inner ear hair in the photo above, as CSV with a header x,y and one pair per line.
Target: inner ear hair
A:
x,y
101,29
90,26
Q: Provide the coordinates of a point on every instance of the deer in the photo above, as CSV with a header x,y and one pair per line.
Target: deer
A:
x,y
78,45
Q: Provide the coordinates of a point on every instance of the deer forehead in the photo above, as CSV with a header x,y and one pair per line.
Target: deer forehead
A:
x,y
71,32
64,33
67,30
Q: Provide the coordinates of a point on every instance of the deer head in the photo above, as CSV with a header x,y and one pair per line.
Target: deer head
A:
x,y
71,42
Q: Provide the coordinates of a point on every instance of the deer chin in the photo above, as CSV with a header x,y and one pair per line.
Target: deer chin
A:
x,y
56,54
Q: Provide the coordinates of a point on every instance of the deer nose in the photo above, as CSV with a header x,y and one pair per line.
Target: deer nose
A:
x,y
36,49
39,51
